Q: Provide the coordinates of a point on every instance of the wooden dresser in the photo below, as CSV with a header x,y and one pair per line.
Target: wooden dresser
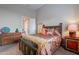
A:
x,y
72,44
7,38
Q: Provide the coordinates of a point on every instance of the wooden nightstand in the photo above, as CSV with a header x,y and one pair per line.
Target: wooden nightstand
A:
x,y
72,44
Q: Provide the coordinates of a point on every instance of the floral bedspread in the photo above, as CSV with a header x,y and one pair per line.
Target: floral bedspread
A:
x,y
47,45
51,46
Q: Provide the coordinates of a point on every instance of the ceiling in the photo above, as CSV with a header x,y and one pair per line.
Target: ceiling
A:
x,y
33,7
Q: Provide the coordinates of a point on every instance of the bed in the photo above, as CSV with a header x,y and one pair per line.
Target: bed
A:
x,y
45,44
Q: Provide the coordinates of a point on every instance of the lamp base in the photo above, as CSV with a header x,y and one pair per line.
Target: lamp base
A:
x,y
72,34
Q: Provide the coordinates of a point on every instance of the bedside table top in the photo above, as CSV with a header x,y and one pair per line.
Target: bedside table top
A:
x,y
67,37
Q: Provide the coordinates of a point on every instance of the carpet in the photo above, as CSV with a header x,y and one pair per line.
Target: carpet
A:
x,y
13,49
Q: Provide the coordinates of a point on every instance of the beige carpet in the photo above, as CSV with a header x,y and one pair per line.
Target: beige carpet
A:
x,y
13,49
62,51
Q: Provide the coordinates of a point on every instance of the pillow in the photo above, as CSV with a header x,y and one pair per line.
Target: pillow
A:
x,y
57,32
50,31
43,31
53,32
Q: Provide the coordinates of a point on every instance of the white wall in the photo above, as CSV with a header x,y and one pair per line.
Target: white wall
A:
x,y
77,12
12,16
55,14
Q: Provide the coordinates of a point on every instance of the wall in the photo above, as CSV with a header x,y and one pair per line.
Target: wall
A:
x,y
55,14
77,12
12,16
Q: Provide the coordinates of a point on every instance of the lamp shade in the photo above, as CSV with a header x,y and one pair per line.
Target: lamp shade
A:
x,y
72,27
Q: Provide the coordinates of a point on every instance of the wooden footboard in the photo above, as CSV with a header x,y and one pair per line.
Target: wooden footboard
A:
x,y
27,47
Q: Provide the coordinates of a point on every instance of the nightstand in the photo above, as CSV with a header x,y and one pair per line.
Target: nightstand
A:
x,y
72,44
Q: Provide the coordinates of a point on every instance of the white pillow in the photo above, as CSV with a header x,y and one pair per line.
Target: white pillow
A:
x,y
50,31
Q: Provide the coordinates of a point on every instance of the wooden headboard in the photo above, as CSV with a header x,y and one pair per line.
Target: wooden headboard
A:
x,y
59,27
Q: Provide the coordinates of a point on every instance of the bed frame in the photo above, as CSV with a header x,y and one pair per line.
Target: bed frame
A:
x,y
59,27
30,48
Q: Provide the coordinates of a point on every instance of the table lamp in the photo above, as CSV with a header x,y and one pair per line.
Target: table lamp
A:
x,y
72,28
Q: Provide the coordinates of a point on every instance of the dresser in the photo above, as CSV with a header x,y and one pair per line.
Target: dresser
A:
x,y
7,38
71,44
